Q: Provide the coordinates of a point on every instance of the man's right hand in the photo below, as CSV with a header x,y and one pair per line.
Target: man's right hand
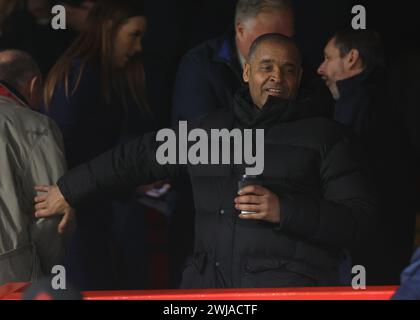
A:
x,y
53,203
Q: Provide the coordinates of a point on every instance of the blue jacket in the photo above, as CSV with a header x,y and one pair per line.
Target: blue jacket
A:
x,y
410,281
207,79
89,124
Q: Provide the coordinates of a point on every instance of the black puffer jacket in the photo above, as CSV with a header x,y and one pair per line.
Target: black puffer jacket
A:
x,y
326,205
373,113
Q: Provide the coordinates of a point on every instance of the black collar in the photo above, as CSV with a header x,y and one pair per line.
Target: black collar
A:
x,y
361,81
275,110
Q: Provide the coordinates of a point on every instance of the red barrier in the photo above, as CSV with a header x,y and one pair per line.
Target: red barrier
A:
x,y
14,292
11,289
374,293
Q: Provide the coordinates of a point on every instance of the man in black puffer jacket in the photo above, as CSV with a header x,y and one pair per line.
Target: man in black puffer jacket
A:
x,y
355,73
313,202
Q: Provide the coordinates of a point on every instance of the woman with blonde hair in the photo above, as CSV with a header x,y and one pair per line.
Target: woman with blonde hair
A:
x,y
96,94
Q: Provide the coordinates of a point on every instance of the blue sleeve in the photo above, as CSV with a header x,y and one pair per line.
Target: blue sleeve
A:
x,y
194,95
410,281
69,111
75,115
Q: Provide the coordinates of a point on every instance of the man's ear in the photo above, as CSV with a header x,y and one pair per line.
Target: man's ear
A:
x,y
34,93
34,85
353,59
300,76
299,81
240,30
245,73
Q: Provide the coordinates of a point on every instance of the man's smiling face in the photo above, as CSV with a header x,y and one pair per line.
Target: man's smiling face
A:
x,y
273,69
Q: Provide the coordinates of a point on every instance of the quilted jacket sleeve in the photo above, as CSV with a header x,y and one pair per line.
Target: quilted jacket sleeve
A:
x,y
346,212
117,171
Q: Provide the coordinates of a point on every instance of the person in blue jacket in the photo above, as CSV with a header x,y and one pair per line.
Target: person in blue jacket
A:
x,y
96,94
410,280
210,74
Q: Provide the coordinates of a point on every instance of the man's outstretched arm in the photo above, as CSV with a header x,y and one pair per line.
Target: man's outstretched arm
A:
x,y
110,174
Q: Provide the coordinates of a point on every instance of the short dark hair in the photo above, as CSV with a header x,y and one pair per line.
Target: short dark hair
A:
x,y
367,42
17,67
277,38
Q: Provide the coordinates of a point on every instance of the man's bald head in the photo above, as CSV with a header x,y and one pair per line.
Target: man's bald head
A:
x,y
18,69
